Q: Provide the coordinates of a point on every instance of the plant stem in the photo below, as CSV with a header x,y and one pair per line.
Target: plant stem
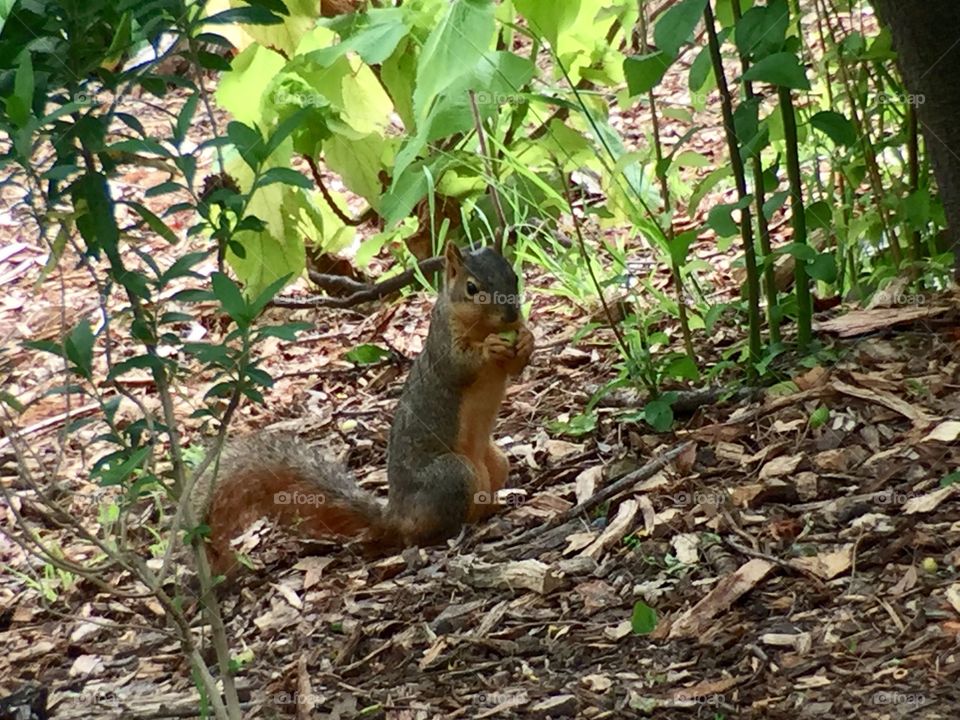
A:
x,y
746,223
804,304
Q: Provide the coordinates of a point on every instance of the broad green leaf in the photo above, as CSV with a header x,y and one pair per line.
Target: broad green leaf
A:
x,y
287,331
819,215
548,19
373,35
359,164
410,187
676,26
681,246
230,298
658,415
644,619
367,354
819,417
454,47
763,29
835,126
782,69
499,77
644,72
253,70
823,267
720,217
248,142
950,479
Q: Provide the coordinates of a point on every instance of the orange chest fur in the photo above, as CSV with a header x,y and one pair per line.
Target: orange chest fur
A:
x,y
479,406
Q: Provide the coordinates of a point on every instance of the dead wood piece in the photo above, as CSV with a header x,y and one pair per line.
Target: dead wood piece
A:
x,y
695,620
518,574
555,707
861,322
615,531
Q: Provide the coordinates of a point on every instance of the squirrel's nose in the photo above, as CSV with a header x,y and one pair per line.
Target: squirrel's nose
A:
x,y
511,313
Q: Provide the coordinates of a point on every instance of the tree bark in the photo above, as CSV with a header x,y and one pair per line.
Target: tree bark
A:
x,y
926,35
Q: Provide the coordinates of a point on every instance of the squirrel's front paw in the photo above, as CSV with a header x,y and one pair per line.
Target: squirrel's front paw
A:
x,y
524,346
496,349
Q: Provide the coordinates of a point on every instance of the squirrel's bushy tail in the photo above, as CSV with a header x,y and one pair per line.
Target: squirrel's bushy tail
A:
x,y
284,479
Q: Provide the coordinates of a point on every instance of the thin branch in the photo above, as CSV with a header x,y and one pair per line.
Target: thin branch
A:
x,y
376,291
488,161
344,218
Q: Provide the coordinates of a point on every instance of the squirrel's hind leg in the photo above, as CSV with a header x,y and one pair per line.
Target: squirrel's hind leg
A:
x,y
498,468
438,509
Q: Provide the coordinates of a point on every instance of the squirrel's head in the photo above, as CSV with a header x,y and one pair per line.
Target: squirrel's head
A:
x,y
483,289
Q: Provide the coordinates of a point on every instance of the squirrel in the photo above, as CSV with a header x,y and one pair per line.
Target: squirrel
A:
x,y
443,468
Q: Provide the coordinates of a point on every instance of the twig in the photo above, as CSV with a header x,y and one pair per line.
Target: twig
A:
x,y
49,422
344,218
376,291
492,185
611,490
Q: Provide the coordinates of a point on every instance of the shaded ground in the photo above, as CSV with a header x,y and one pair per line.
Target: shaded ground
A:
x,y
802,557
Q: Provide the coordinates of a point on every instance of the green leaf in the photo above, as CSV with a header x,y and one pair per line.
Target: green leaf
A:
x,y
79,349
819,215
819,417
267,294
373,35
367,354
706,185
658,415
287,331
19,105
644,619
251,15
644,72
154,222
454,47
720,218
774,203
682,368
185,118
676,26
115,475
762,30
782,69
836,127
287,176
950,479
823,267
681,246
548,19
582,424
231,299
248,143
139,362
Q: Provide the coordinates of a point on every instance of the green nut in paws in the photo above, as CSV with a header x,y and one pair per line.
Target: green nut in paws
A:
x,y
510,336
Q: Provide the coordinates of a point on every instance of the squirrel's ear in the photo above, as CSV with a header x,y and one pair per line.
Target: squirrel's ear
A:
x,y
454,260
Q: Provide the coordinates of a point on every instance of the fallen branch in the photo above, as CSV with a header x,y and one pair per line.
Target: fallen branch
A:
x,y
366,293
613,489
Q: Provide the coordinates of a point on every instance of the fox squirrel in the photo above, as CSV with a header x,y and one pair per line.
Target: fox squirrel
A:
x,y
443,468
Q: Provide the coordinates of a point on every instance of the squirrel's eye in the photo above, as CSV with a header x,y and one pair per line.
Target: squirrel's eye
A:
x,y
472,289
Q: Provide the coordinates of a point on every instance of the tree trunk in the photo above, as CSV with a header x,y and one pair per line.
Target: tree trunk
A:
x,y
926,34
